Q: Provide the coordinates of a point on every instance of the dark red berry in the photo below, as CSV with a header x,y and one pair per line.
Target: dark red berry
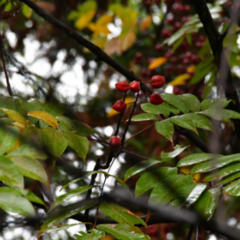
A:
x,y
138,56
115,143
155,99
119,106
186,8
166,33
157,81
135,86
198,44
6,15
122,86
158,47
170,20
177,25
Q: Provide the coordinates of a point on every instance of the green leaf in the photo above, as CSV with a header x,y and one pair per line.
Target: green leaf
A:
x,y
192,102
163,108
149,180
28,151
229,178
198,76
200,121
33,105
187,195
196,192
59,214
78,143
12,201
177,43
27,11
65,123
94,235
216,163
194,158
70,194
8,138
234,167
233,188
214,103
176,101
144,117
120,214
32,135
83,129
54,140
140,167
185,122
167,189
205,49
9,173
13,103
31,168
207,203
223,115
165,128
30,196
123,231
166,156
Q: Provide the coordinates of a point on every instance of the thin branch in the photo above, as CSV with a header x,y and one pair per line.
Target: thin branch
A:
x,y
4,69
215,40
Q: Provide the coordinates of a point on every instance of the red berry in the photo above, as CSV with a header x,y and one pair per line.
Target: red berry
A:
x,y
155,99
198,44
166,33
6,15
157,81
158,47
115,143
186,8
170,20
138,56
119,106
135,86
122,86
177,25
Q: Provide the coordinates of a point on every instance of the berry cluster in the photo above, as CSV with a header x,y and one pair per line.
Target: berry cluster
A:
x,y
135,86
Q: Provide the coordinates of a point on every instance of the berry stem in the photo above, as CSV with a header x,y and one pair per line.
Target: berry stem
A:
x,y
129,121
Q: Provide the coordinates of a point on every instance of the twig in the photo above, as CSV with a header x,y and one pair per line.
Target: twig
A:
x,y
4,68
190,232
215,40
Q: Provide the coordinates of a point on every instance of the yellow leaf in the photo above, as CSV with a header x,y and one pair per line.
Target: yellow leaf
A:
x,y
146,22
191,69
84,20
157,63
128,40
105,19
196,177
46,117
101,26
113,112
180,80
17,117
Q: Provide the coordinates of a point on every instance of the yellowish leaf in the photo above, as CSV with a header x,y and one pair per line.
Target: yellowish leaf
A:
x,y
128,40
113,112
84,20
17,117
46,117
157,63
191,69
180,80
101,26
196,177
146,22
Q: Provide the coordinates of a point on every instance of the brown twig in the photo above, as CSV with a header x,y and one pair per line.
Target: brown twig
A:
x,y
4,68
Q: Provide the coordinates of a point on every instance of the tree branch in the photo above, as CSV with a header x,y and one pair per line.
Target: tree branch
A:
x,y
215,40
